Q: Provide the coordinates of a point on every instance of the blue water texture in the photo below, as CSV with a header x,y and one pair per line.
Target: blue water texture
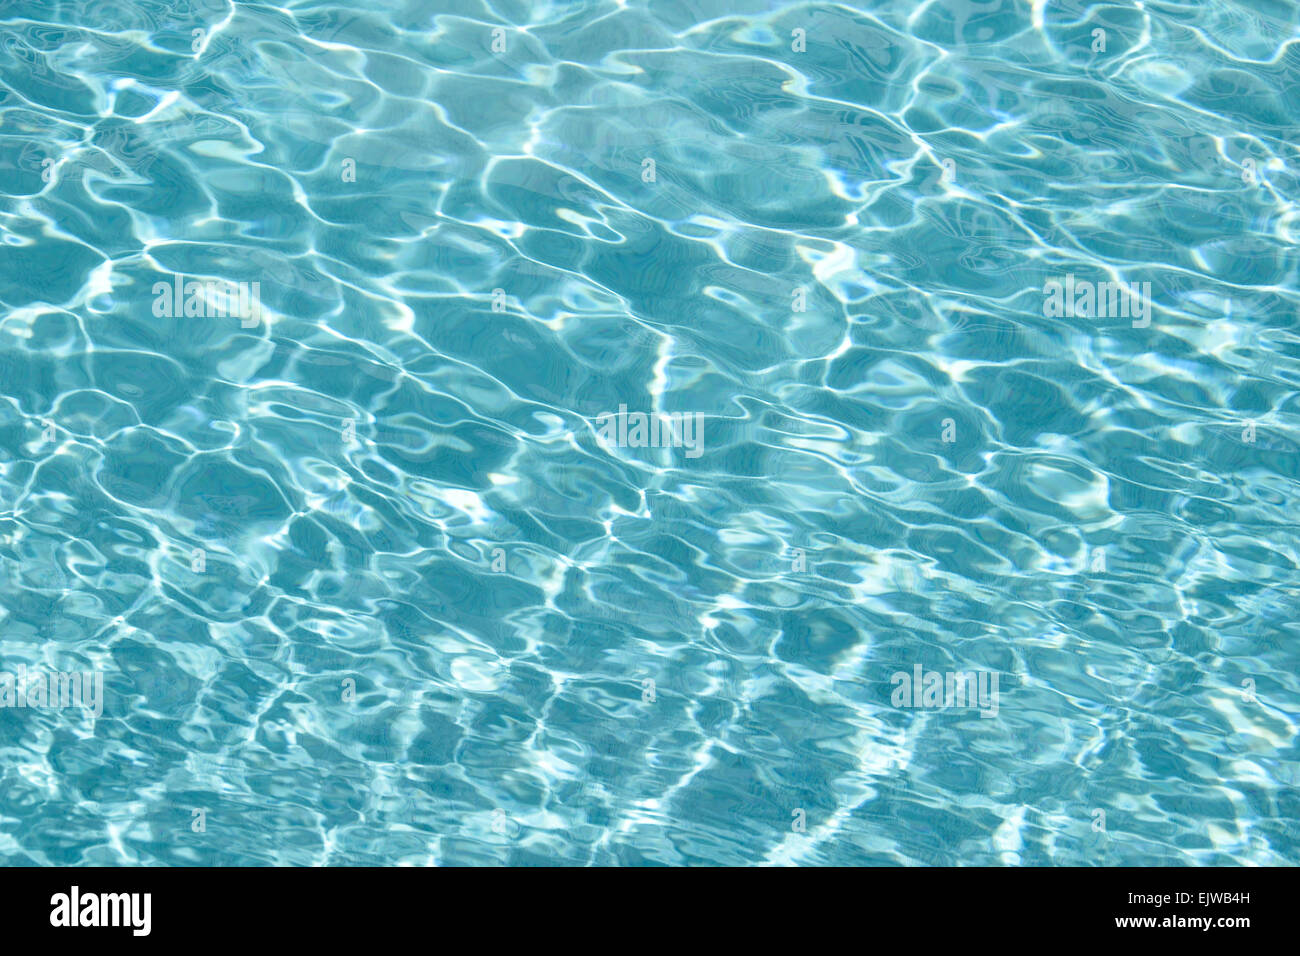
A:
x,y
370,583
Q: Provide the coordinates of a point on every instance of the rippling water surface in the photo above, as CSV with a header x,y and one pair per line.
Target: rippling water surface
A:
x,y
372,578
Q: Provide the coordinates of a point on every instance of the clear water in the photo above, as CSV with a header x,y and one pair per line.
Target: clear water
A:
x,y
277,539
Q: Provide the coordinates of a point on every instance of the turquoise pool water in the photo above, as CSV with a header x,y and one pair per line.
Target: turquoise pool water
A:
x,y
624,433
